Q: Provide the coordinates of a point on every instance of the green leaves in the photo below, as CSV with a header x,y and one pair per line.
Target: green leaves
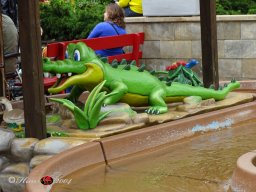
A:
x,y
232,7
90,116
185,76
68,20
93,105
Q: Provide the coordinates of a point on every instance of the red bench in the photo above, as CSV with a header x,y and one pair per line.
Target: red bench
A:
x,y
57,50
134,40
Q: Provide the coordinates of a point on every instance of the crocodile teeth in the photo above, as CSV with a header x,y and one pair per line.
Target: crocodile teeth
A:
x,y
58,75
69,74
46,74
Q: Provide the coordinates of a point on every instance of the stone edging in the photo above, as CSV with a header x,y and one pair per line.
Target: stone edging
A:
x,y
20,155
189,19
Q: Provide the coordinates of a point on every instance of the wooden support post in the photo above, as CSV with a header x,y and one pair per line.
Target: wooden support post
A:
x,y
2,75
209,43
32,74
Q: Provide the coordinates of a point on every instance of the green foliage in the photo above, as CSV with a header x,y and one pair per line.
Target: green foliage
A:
x,y
54,118
67,20
20,134
91,115
232,7
185,76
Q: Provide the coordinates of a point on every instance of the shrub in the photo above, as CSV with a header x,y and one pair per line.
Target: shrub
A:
x,y
232,7
70,19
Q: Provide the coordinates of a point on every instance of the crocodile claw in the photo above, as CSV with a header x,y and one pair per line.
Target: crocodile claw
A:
x,y
152,111
156,110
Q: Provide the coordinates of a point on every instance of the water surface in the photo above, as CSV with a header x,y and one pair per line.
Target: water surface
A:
x,y
202,163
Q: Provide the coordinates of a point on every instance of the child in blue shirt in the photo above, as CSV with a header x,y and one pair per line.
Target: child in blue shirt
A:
x,y
113,25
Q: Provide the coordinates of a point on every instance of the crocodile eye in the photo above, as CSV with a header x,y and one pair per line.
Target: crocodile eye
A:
x,y
66,55
77,55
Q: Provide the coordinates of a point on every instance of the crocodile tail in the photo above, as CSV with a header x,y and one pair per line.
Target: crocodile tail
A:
x,y
178,89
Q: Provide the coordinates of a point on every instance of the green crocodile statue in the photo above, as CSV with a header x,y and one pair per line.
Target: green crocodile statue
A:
x,y
125,81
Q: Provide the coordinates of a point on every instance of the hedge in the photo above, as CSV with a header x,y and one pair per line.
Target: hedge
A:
x,y
66,19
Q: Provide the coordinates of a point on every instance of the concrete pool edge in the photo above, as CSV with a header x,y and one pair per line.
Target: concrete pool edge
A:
x,y
126,144
123,145
244,176
63,164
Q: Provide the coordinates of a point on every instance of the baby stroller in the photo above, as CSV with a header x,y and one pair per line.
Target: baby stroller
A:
x,y
13,81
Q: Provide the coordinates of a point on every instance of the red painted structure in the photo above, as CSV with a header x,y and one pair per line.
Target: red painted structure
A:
x,y
57,50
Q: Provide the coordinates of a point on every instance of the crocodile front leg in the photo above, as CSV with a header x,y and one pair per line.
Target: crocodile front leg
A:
x,y
118,90
156,101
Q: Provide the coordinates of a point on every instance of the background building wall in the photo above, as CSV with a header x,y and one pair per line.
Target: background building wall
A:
x,y
168,39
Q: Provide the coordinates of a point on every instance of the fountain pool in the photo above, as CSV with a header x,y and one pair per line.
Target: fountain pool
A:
x,y
195,153
204,162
